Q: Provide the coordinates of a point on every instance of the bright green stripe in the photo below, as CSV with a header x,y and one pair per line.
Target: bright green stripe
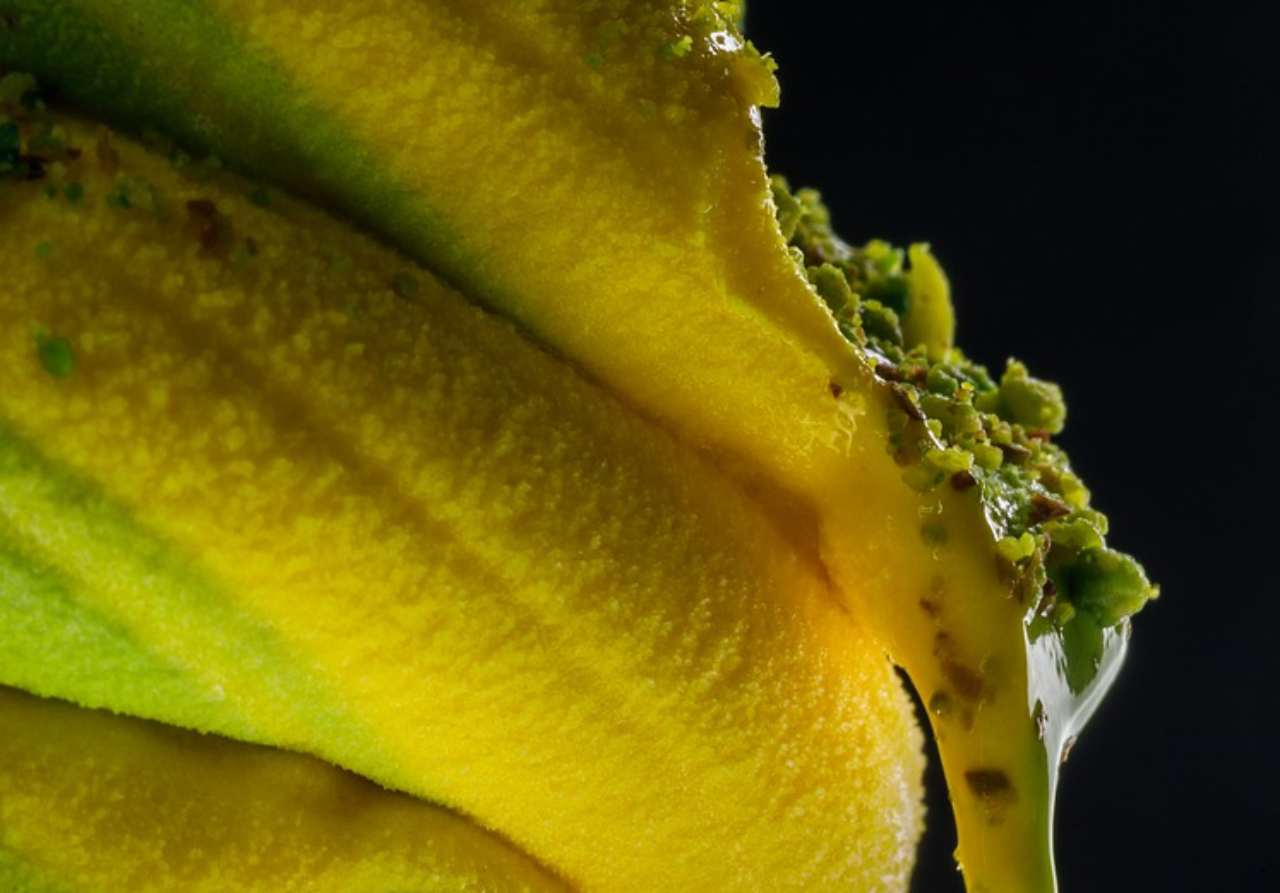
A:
x,y
55,645
178,67
112,562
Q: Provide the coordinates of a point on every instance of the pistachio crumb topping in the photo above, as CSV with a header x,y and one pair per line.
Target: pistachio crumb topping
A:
x,y
951,420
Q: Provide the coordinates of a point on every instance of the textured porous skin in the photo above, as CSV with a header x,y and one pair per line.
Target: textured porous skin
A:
x,y
297,491
95,803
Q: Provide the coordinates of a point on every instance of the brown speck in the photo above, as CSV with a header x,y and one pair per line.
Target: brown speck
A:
x,y
993,788
1041,719
1050,588
836,389
940,704
968,683
942,644
1067,747
1015,454
930,607
963,480
1046,508
210,226
905,402
1038,434
889,372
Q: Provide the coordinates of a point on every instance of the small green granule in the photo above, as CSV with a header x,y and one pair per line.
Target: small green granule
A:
x,y
44,248
676,49
56,355
880,321
260,196
1013,549
950,460
833,288
1106,584
1030,402
74,192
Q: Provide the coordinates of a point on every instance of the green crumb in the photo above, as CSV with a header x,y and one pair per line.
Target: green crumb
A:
x,y
595,60
44,248
1031,402
676,49
74,192
405,285
1014,549
56,355
950,460
260,196
833,288
949,419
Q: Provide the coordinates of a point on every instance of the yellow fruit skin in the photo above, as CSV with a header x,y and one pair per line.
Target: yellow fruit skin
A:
x,y
559,164
356,516
94,803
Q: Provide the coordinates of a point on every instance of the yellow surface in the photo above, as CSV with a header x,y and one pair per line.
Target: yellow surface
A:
x,y
562,164
371,522
94,803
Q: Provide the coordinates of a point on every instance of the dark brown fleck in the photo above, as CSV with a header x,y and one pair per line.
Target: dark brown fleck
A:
x,y
968,683
1015,454
903,398
930,607
1038,434
211,227
836,389
1041,718
1046,508
992,786
963,480
889,372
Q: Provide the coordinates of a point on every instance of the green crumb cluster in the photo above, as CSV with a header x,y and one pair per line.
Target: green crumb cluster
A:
x,y
953,424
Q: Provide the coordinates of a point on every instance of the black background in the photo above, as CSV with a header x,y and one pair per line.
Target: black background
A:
x,y
1097,182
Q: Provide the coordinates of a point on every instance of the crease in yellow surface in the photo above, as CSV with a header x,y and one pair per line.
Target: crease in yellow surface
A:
x,y
94,803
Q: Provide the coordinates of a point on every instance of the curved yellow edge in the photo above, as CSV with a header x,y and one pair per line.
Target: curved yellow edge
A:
x,y
281,459
95,803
